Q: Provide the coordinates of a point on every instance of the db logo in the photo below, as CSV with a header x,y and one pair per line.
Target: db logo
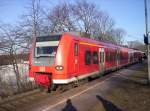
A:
x,y
42,69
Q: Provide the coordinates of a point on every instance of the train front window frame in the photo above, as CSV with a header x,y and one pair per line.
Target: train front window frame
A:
x,y
95,57
48,38
46,51
47,45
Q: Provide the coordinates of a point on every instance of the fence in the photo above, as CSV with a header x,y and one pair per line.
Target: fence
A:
x,y
8,82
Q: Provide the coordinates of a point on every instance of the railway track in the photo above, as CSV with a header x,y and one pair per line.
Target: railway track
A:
x,y
11,103
23,100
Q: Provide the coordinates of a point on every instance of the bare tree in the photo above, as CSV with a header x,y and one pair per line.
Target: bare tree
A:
x,y
116,35
90,20
60,18
137,45
11,43
84,15
80,16
119,34
103,24
31,20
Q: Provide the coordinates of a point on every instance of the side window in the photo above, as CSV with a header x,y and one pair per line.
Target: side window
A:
x,y
107,56
95,57
113,56
118,55
110,56
87,57
76,49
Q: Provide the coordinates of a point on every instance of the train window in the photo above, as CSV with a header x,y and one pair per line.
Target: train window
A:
x,y
48,38
76,49
46,51
107,56
88,57
110,56
118,55
95,58
124,55
115,56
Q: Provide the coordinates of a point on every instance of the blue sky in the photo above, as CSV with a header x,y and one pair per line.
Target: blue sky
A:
x,y
128,14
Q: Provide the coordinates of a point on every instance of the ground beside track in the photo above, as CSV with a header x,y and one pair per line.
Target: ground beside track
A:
x,y
124,90
130,92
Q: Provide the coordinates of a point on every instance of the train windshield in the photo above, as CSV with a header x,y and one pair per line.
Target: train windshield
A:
x,y
46,51
47,45
48,38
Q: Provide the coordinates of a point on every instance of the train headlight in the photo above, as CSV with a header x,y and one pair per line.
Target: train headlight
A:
x,y
59,68
31,79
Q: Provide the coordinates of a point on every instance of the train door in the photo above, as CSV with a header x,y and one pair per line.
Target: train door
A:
x,y
129,57
101,62
76,55
118,57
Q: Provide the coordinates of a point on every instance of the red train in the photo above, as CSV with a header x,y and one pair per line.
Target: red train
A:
x,y
66,58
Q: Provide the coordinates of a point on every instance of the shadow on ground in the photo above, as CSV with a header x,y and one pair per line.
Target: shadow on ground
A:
x,y
109,106
69,106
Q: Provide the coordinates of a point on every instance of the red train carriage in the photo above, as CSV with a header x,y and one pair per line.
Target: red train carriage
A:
x,y
62,59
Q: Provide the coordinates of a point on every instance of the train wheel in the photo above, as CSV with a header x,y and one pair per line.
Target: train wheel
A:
x,y
50,84
76,83
90,79
49,89
54,87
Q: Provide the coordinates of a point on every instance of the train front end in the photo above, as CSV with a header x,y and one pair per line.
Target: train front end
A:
x,y
42,59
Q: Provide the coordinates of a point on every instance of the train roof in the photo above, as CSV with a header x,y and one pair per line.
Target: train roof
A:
x,y
89,40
